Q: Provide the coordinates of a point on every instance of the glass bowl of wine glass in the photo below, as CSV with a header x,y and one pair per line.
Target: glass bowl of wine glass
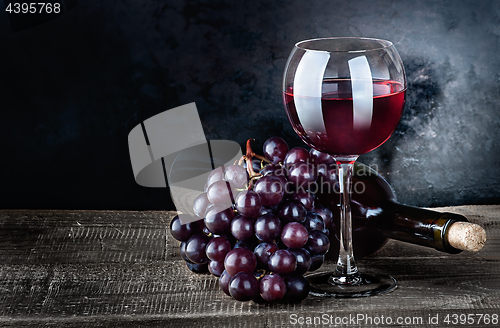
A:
x,y
345,97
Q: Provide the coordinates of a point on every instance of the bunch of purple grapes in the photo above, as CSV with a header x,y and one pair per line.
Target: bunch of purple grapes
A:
x,y
263,228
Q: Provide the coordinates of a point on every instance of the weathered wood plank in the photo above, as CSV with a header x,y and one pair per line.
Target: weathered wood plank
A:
x,y
102,268
171,292
158,288
88,236
122,236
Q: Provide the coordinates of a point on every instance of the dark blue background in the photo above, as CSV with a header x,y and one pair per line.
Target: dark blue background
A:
x,y
72,88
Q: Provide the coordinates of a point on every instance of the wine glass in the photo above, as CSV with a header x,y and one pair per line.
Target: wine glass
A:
x,y
345,97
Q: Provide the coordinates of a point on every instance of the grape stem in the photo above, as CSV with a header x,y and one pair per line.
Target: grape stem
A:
x,y
251,154
248,159
262,273
250,170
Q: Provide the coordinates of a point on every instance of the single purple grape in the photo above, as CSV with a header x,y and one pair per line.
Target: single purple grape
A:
x,y
278,171
249,244
318,157
282,262
316,262
220,192
216,268
327,180
218,219
248,203
296,155
265,210
288,187
197,267
215,175
244,287
228,236
263,252
270,190
272,287
182,249
208,209
224,280
273,169
258,299
240,260
217,249
297,288
290,211
242,228
304,197
240,244
302,174
275,149
303,260
327,171
325,214
294,235
182,232
318,243
195,248
236,175
314,222
267,227
200,205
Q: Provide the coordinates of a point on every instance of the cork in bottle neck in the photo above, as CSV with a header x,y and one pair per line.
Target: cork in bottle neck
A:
x,y
466,236
460,235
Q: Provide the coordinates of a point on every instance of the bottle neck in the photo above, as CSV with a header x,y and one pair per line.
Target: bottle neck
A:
x,y
418,226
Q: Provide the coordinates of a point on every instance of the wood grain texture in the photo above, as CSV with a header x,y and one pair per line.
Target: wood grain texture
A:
x,y
118,268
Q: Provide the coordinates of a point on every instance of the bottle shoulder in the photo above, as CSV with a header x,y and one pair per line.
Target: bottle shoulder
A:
x,y
370,188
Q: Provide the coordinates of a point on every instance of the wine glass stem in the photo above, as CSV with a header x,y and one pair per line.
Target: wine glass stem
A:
x,y
346,266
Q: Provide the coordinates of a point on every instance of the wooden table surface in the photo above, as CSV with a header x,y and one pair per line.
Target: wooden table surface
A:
x,y
123,269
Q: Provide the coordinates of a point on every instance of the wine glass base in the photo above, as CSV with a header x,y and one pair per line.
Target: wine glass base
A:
x,y
324,284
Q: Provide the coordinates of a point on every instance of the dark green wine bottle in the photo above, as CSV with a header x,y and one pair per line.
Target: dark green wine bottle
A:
x,y
377,217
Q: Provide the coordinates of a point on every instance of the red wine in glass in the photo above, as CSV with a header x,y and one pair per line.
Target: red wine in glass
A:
x,y
340,135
